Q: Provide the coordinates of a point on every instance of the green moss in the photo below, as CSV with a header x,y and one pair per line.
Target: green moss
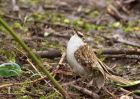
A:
x,y
117,25
94,14
67,21
53,44
131,27
53,95
10,55
56,17
33,2
37,16
17,25
2,29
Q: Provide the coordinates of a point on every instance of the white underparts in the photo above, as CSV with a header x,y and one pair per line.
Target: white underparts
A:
x,y
74,43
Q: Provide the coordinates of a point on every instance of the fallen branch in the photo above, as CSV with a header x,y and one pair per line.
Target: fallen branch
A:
x,y
136,57
54,53
51,53
86,91
122,40
119,51
112,11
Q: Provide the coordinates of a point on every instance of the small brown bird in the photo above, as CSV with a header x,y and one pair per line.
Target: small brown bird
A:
x,y
84,62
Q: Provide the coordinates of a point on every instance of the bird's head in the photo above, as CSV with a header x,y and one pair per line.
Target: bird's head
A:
x,y
74,43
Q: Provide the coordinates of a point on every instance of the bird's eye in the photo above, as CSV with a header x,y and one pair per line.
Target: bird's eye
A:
x,y
80,34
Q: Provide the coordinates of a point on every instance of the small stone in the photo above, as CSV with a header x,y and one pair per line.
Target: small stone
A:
x,y
126,97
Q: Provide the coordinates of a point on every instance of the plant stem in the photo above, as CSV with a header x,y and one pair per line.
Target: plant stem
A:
x,y
33,57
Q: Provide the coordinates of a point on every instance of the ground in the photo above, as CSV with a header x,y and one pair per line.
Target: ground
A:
x,y
112,28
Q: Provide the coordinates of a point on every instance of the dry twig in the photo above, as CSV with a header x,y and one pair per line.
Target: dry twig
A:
x,y
86,91
113,96
122,40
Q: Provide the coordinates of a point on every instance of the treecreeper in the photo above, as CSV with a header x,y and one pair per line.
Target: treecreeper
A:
x,y
84,62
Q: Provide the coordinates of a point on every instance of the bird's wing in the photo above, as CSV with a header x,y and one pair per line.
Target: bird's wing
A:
x,y
87,58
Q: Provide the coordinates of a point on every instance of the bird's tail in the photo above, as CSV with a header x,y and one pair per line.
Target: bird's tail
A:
x,y
106,68
118,79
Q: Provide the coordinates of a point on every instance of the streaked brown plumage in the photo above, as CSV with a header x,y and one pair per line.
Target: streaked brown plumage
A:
x,y
84,62
87,58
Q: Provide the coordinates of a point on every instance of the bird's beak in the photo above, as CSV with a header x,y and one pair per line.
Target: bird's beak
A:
x,y
80,34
